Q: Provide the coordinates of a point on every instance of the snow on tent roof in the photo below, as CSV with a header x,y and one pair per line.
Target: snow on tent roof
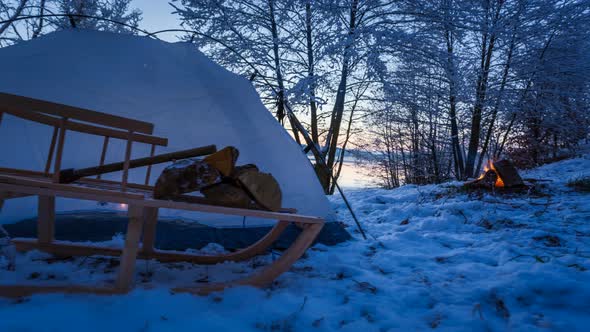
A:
x,y
190,99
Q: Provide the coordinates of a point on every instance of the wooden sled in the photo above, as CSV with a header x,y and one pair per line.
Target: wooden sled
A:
x,y
142,207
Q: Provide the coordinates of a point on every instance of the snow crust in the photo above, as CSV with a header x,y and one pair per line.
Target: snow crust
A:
x,y
192,101
439,258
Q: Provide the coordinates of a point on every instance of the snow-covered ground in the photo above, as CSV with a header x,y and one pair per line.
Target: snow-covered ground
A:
x,y
438,258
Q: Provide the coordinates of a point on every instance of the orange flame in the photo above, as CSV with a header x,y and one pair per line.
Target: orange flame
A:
x,y
490,166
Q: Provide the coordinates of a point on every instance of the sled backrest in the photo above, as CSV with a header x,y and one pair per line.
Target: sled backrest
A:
x,y
64,117
17,104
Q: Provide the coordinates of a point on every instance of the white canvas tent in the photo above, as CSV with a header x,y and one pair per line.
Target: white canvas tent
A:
x,y
190,99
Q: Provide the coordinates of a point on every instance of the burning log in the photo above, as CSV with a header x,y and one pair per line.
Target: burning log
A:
x,y
498,174
490,178
508,173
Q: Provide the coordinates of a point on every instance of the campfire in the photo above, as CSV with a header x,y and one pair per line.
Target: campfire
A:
x,y
498,174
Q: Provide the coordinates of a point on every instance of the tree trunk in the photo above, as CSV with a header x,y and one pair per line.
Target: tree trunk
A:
x,y
279,75
497,104
311,74
456,147
338,110
343,149
500,149
415,162
487,52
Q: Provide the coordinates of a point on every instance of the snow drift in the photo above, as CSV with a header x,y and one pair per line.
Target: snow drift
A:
x,y
190,99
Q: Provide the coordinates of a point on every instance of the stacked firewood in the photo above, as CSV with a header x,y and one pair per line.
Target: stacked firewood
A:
x,y
221,182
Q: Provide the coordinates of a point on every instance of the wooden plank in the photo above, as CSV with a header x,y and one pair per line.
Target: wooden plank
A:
x,y
129,198
25,185
23,290
206,201
148,172
99,131
87,128
89,181
298,218
51,150
126,273
99,196
16,103
60,149
20,184
17,171
64,248
103,154
115,185
150,219
126,163
46,219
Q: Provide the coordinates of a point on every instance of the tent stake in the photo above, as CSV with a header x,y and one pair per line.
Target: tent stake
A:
x,y
356,221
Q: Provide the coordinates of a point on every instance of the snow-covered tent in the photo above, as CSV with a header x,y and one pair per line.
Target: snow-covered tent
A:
x,y
190,99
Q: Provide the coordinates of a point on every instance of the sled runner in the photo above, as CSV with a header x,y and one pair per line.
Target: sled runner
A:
x,y
142,206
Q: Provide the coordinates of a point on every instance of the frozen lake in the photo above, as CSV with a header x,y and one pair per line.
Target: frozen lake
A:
x,y
356,176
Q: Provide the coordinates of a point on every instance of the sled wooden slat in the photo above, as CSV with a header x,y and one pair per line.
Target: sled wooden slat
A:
x,y
35,187
87,128
142,207
124,280
89,182
51,149
15,103
60,148
56,189
148,171
103,154
233,211
126,162
46,219
23,290
63,248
